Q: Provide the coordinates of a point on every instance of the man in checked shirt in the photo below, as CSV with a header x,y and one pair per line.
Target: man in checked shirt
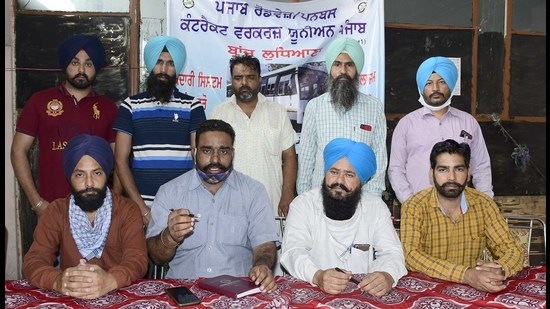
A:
x,y
445,228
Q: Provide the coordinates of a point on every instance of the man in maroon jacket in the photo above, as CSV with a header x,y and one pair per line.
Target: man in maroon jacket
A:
x,y
98,233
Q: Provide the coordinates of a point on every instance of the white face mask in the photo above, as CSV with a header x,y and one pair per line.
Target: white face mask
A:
x,y
434,108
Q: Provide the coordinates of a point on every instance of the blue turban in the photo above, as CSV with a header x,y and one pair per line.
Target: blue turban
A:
x,y
86,144
350,46
72,45
154,48
359,155
440,65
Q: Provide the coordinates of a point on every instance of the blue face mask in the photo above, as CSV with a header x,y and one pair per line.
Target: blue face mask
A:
x,y
213,178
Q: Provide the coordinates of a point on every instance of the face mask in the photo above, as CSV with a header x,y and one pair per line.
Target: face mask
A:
x,y
213,178
434,108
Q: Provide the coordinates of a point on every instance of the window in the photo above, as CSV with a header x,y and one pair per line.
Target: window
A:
x,y
502,47
74,5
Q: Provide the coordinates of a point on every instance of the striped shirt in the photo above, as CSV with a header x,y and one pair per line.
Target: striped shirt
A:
x,y
161,138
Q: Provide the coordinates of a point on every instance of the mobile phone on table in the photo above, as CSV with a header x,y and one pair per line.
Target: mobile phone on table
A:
x,y
182,296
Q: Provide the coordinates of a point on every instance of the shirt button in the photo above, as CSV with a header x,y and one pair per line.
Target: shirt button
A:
x,y
209,270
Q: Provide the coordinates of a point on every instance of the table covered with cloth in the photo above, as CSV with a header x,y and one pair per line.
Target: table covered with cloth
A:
x,y
525,290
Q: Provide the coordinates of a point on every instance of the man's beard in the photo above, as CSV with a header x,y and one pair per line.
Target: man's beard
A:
x,y
339,207
89,202
450,192
246,94
81,83
343,92
161,89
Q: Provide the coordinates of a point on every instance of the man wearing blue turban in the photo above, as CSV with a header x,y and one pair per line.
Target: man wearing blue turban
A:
x,y
333,231
436,120
98,233
55,115
343,111
91,45
156,128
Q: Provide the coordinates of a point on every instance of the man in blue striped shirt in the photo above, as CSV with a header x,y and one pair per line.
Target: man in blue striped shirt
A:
x,y
156,128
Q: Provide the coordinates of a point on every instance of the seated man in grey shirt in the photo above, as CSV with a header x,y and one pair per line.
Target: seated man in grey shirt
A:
x,y
214,220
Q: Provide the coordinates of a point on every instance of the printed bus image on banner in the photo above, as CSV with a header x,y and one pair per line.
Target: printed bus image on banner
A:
x,y
288,38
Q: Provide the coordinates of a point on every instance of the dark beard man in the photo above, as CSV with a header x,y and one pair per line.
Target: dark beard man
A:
x,y
340,207
161,89
343,91
89,200
81,81
450,189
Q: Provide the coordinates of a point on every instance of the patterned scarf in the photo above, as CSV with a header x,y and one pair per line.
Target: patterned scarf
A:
x,y
213,178
90,240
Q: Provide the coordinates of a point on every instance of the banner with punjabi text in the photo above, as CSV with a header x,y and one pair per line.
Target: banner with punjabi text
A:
x,y
289,39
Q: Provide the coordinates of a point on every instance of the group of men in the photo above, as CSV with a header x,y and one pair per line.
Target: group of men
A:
x,y
200,195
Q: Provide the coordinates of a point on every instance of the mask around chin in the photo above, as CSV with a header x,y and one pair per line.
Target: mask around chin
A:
x,y
213,178
434,108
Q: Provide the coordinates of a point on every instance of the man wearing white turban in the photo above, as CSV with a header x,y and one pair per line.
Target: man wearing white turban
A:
x,y
343,111
339,225
156,128
417,132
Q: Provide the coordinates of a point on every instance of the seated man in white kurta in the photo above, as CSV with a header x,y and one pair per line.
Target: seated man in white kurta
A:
x,y
339,226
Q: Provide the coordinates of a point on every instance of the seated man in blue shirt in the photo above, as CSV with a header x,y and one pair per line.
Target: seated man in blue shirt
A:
x,y
214,220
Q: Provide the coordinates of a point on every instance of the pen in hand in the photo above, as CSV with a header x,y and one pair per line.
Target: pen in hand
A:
x,y
189,214
351,279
